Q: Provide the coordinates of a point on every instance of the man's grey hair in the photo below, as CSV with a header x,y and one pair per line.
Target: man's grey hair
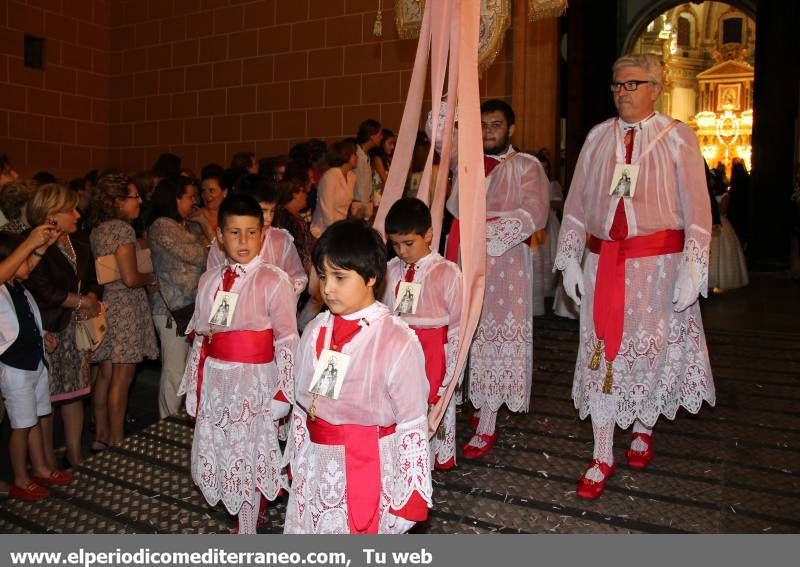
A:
x,y
650,63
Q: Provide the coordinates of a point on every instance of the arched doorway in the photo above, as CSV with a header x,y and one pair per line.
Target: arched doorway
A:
x,y
708,51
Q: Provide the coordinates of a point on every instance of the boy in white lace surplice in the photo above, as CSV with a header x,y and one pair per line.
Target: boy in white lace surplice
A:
x,y
661,362
359,461
438,313
278,246
239,377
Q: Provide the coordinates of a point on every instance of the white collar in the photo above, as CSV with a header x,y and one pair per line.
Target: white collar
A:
x,y
638,125
242,268
422,261
362,313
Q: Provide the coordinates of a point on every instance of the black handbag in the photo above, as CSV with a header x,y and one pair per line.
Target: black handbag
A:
x,y
181,316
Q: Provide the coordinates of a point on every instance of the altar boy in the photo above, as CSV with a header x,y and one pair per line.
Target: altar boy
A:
x,y
358,445
424,289
238,378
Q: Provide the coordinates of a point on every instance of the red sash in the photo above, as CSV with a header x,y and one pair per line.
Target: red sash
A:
x,y
249,347
609,290
433,341
362,468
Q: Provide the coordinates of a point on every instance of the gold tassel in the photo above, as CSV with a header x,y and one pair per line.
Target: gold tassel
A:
x,y
609,379
594,364
377,29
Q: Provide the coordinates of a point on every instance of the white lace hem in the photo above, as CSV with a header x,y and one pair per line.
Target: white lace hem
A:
x,y
413,471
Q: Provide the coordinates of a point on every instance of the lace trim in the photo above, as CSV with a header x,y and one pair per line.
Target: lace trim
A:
x,y
502,234
235,453
695,260
285,378
450,350
651,378
500,364
443,448
570,249
413,470
189,380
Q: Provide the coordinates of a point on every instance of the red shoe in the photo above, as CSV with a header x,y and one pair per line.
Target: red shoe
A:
x,y
472,452
56,478
31,493
640,459
589,489
445,466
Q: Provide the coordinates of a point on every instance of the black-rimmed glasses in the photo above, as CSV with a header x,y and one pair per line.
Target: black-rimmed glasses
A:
x,y
629,86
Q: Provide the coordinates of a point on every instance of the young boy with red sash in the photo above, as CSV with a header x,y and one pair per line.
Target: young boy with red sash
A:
x,y
278,246
238,377
436,313
358,445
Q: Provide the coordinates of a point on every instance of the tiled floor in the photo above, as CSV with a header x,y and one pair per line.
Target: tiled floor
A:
x,y
731,469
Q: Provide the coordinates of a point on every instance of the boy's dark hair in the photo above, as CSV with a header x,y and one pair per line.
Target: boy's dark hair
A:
x,y
367,129
408,215
239,205
266,193
494,104
165,197
167,165
8,243
352,245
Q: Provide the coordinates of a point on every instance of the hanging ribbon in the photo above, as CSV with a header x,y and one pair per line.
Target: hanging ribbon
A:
x,y
448,27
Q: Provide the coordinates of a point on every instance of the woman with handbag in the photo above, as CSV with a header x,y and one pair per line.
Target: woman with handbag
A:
x,y
65,288
131,338
179,258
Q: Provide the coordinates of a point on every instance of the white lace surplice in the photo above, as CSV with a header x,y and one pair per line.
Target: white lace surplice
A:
x,y
501,356
385,385
439,305
663,361
235,448
277,249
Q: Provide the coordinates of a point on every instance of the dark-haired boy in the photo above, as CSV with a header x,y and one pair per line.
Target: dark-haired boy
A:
x,y
359,457
434,312
239,368
278,246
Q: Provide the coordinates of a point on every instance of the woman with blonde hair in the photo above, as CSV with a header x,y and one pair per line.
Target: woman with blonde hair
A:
x,y
65,288
131,337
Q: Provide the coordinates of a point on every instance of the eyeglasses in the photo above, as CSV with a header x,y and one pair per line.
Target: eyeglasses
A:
x,y
492,125
629,86
136,197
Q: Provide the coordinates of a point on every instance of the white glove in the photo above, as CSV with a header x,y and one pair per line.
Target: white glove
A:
x,y
573,277
685,293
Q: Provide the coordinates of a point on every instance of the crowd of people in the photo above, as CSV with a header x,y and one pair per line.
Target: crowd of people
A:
x,y
278,313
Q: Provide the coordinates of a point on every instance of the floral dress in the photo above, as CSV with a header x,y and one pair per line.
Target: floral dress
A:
x,y
131,336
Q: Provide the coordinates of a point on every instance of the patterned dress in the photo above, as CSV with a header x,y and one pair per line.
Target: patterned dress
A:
x,y
131,336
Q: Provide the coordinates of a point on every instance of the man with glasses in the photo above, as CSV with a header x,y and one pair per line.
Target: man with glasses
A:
x,y
517,205
642,348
